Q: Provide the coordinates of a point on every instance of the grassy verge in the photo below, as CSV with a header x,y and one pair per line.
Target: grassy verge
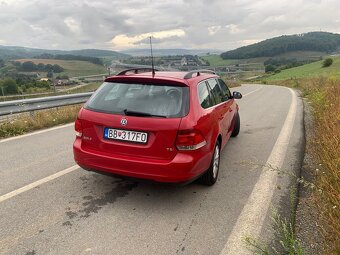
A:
x,y
230,82
324,96
40,119
284,231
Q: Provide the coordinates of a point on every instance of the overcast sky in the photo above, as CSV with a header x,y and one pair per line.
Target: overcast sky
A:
x,y
191,24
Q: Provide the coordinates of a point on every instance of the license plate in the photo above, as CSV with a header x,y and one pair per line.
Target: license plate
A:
x,y
125,135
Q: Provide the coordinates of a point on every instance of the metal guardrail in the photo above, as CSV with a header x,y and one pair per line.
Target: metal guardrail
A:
x,y
33,104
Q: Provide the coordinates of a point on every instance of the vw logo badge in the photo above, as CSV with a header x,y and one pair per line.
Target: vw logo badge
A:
x,y
123,122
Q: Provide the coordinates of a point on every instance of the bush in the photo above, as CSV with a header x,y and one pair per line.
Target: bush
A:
x,y
28,66
10,86
327,62
269,68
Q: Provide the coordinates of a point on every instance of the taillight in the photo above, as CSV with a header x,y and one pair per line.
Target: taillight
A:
x,y
78,128
189,140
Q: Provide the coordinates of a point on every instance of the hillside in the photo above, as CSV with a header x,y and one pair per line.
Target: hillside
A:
x,y
13,52
313,41
314,69
169,52
72,67
97,53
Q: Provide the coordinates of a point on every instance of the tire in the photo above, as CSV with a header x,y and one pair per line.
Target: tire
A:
x,y
236,128
210,176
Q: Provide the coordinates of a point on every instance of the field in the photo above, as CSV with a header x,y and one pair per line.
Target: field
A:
x,y
314,69
72,68
216,60
303,55
86,88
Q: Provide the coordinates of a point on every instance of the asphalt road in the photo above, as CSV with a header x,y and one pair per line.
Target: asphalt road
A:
x,y
46,211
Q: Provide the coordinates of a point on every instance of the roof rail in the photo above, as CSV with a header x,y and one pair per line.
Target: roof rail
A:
x,y
198,73
137,70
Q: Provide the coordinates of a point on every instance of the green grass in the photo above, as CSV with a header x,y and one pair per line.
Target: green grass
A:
x,y
73,68
7,68
311,70
302,55
40,119
285,232
86,88
216,60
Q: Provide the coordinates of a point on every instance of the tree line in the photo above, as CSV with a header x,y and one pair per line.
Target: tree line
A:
x,y
29,66
93,60
278,64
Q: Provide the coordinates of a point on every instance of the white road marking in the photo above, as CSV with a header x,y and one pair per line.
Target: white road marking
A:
x,y
252,217
251,92
35,133
37,183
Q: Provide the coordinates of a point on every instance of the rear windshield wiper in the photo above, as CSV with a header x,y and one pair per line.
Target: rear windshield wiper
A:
x,y
141,114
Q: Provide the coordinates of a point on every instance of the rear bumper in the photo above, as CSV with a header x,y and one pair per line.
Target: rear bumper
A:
x,y
182,168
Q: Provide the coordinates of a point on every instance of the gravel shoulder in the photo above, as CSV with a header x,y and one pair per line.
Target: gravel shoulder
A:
x,y
307,218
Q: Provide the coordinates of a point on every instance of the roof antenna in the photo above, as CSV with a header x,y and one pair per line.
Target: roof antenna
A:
x,y
153,68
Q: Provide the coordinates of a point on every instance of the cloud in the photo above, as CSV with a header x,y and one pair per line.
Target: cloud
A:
x,y
72,24
123,41
234,29
213,29
116,24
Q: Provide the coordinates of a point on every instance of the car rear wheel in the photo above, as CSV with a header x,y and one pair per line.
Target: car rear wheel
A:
x,y
210,176
236,129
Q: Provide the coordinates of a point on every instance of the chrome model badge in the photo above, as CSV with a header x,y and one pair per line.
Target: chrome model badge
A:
x,y
123,122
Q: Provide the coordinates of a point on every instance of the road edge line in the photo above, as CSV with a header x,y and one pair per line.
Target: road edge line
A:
x,y
38,183
35,133
251,92
253,214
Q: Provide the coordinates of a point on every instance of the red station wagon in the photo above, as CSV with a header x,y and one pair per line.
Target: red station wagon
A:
x,y
161,126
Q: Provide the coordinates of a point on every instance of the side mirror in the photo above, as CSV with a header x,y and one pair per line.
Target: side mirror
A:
x,y
237,95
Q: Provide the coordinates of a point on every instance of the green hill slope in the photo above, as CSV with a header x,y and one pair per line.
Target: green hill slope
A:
x,y
13,52
309,70
313,41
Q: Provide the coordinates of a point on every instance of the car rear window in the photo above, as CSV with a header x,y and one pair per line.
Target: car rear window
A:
x,y
155,100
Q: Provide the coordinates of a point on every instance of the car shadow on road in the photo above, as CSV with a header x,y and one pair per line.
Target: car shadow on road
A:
x,y
99,191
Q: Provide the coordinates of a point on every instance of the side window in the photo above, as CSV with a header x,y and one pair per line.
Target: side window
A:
x,y
225,90
204,96
216,91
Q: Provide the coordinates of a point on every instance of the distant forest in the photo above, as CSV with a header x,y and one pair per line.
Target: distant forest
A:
x,y
29,66
313,41
93,60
